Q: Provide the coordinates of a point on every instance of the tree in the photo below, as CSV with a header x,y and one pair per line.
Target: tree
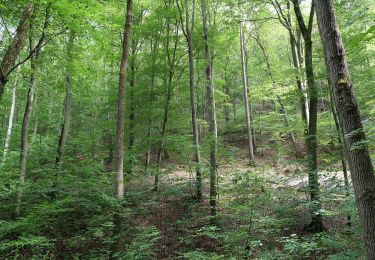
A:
x,y
11,118
119,152
358,153
285,19
68,103
211,111
246,97
316,224
188,33
14,49
26,122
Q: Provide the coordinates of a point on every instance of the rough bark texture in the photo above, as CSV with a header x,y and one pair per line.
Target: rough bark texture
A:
x,y
211,113
68,104
246,97
343,149
119,151
15,47
317,222
358,155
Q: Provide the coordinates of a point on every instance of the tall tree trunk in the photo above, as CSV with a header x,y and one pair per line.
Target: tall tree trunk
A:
x,y
119,152
316,224
358,154
193,103
250,102
14,49
211,113
246,98
68,104
341,138
11,118
300,86
26,125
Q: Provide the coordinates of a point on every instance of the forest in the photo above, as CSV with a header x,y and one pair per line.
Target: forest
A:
x,y
187,129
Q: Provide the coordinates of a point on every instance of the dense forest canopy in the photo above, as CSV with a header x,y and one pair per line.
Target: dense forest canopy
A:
x,y
191,129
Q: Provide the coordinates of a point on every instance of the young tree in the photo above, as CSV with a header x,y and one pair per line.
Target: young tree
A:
x,y
246,96
316,224
285,19
119,152
26,121
211,112
361,168
188,33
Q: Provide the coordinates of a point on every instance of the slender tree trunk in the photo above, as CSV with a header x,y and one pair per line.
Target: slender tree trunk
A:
x,y
68,104
193,102
358,154
245,93
119,152
11,118
26,126
316,224
14,49
250,102
211,113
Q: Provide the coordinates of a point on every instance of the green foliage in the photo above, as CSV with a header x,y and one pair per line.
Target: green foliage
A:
x,y
67,211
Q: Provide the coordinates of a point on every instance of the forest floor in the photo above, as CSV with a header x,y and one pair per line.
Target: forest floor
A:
x,y
261,207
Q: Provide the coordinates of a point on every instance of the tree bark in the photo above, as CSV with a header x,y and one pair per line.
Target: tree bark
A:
x,y
250,102
193,103
14,49
211,113
246,97
68,104
11,118
119,151
316,224
358,154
